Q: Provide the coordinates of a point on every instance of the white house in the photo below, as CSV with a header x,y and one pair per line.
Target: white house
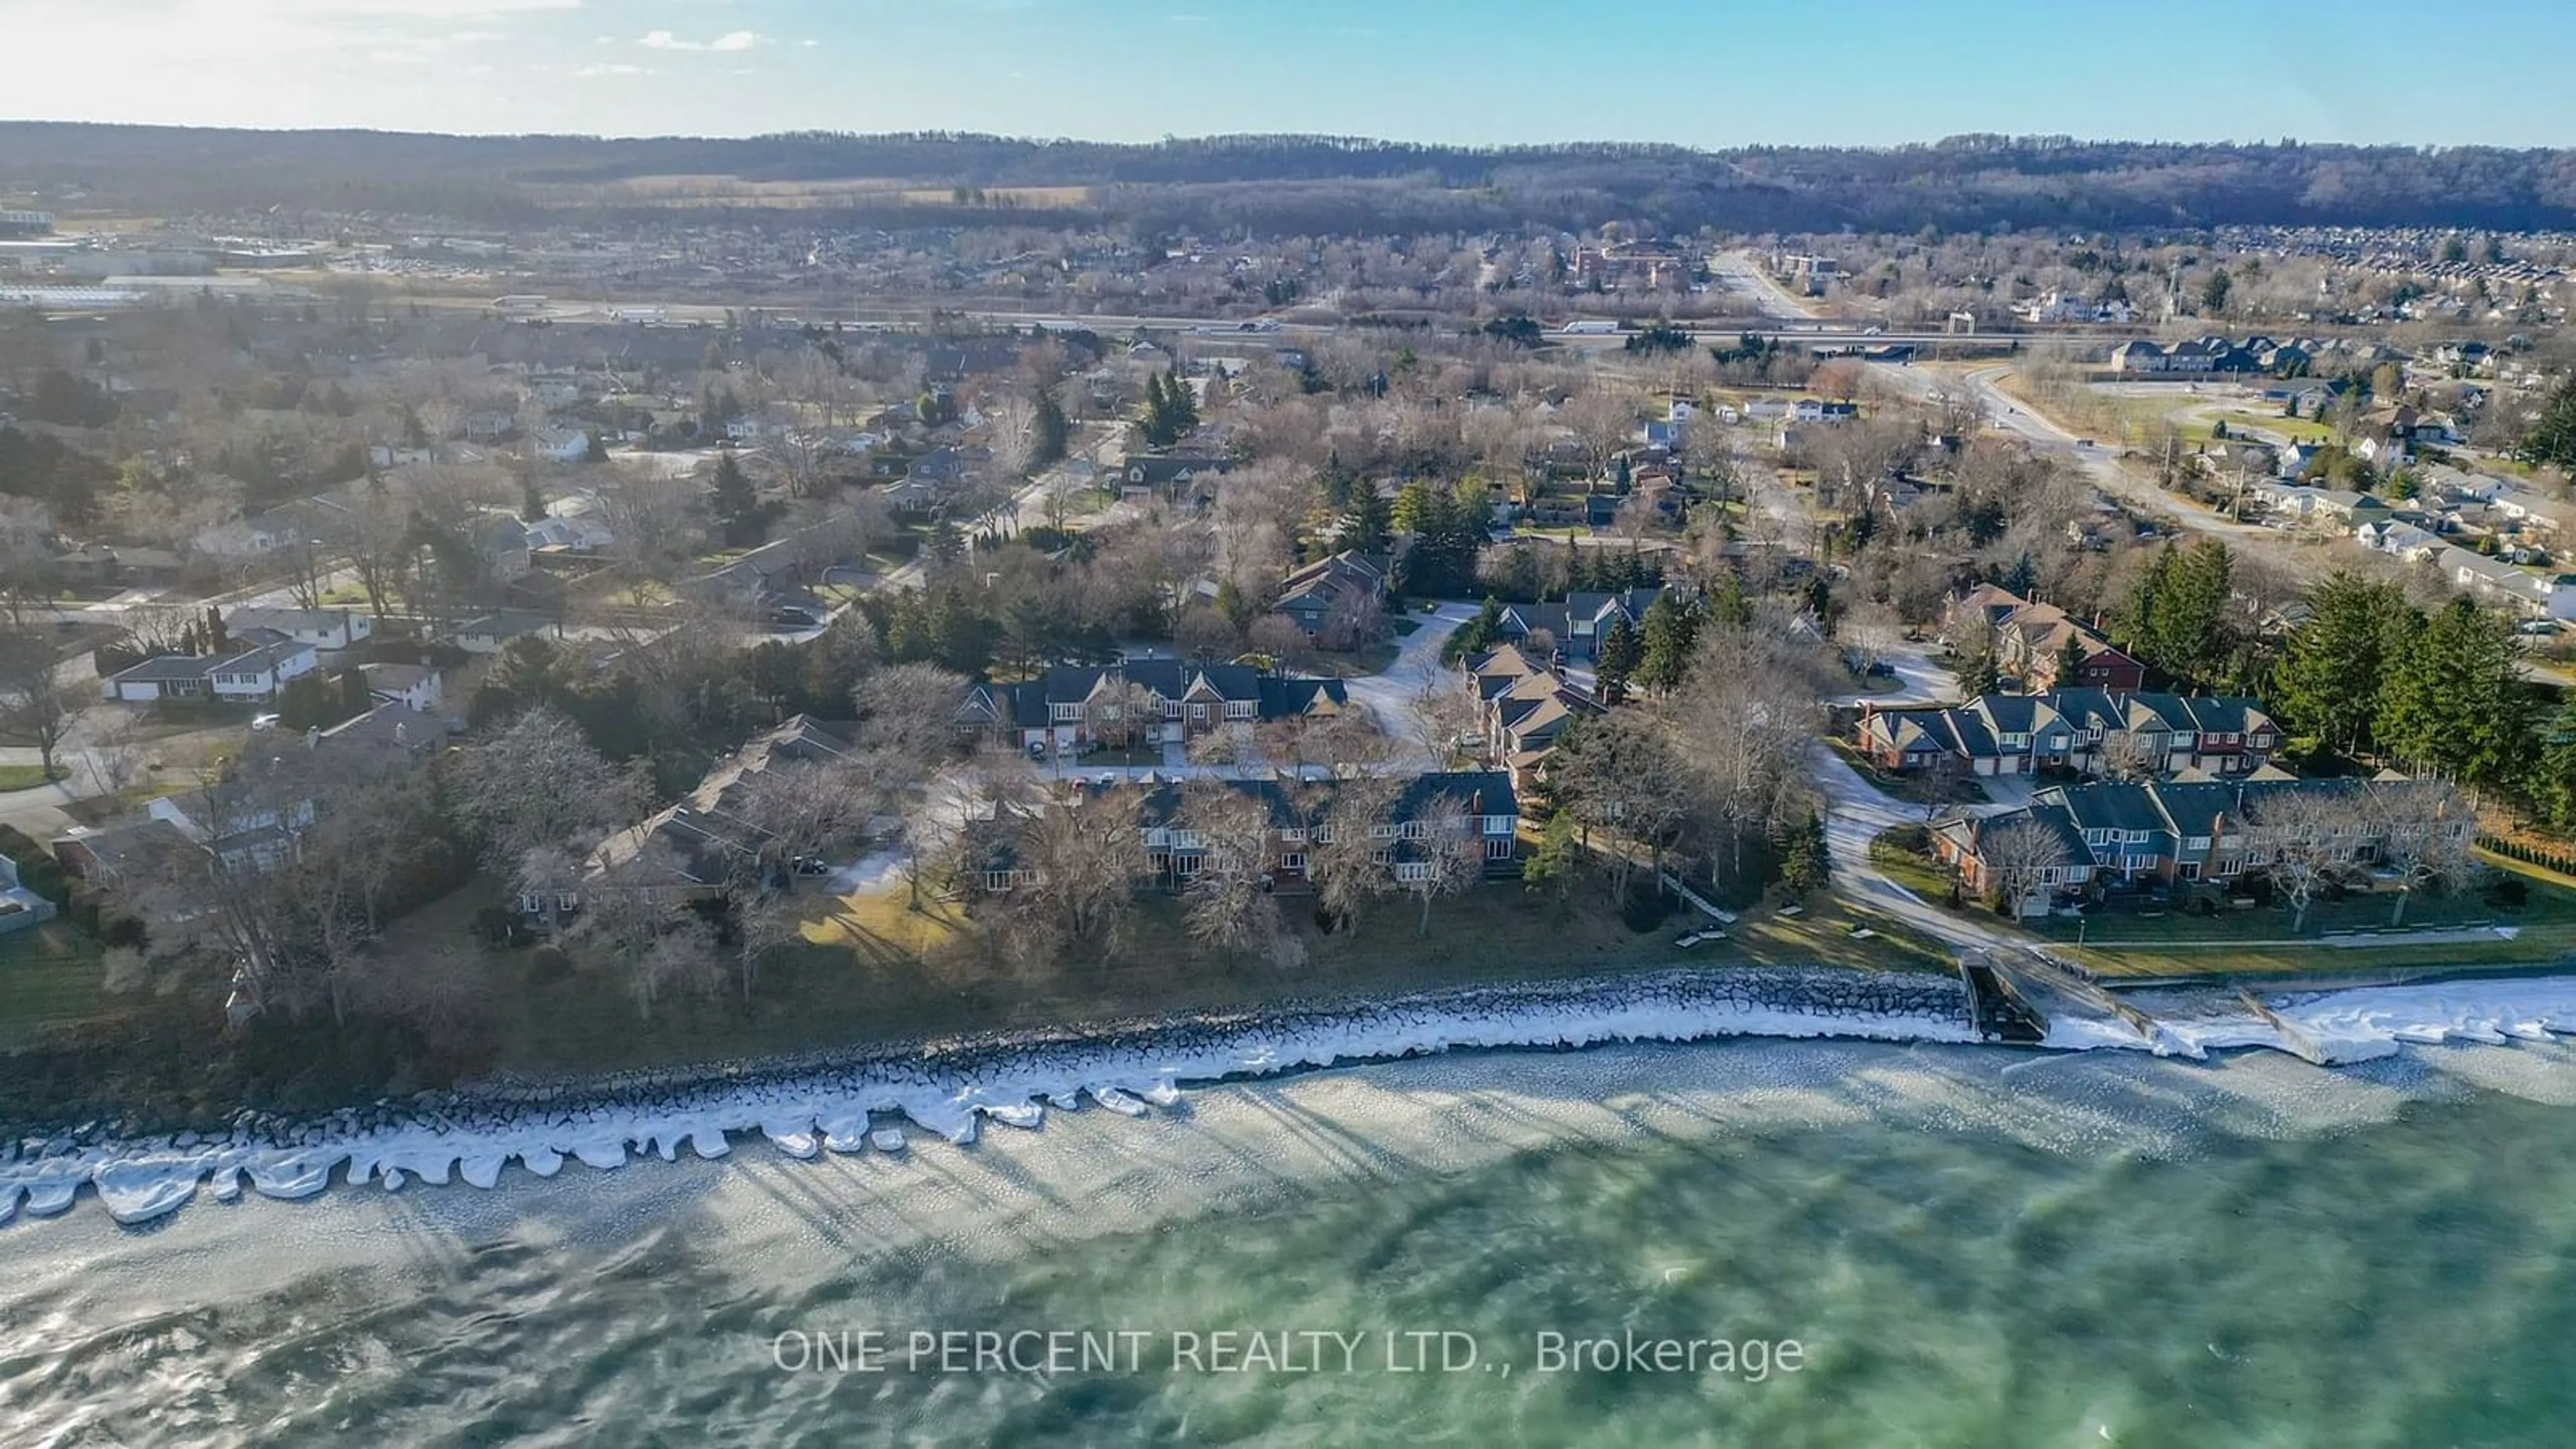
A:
x,y
491,633
332,631
415,686
561,445
253,673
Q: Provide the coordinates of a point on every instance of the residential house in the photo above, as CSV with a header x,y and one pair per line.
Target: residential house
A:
x,y
2529,592
2122,836
331,632
414,686
1173,475
1489,811
492,632
2085,731
1073,708
1576,625
698,847
256,668
2034,642
1324,596
1522,705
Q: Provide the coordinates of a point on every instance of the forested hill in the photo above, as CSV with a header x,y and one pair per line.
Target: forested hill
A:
x,y
1317,184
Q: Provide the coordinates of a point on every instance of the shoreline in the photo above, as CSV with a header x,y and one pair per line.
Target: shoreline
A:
x,y
877,1101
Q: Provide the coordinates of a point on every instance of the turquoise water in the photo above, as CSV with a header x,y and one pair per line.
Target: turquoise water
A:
x,y
1968,1247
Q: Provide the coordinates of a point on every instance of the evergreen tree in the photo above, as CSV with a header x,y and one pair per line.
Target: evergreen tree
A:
x,y
2552,781
1552,861
2327,682
2455,701
1806,862
1671,628
2552,438
1978,672
1372,524
736,505
1054,431
1727,604
1616,660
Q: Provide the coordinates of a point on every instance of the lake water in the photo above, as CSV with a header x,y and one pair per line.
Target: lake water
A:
x,y
1967,1247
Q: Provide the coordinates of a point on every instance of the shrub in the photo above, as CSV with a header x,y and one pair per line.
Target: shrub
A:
x,y
1645,908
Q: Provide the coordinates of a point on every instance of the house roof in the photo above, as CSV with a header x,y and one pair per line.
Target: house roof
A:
x,y
289,621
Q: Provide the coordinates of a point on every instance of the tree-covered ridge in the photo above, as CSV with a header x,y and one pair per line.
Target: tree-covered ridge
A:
x,y
1305,184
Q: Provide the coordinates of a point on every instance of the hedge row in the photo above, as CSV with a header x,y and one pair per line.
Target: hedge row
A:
x,y
2560,861
38,871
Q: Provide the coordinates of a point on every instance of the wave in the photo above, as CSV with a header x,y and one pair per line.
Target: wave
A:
x,y
860,1104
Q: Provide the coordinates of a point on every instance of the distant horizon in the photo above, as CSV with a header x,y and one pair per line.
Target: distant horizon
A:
x,y
1712,75
1201,138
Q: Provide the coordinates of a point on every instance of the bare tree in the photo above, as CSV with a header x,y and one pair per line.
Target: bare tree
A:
x,y
538,783
1350,848
2127,755
1089,857
2304,840
2426,835
908,713
1442,855
1014,421
2017,856
1228,898
34,708
1441,716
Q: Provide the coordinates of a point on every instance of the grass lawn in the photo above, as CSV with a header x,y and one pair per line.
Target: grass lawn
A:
x,y
2297,430
1349,664
26,777
49,975
877,973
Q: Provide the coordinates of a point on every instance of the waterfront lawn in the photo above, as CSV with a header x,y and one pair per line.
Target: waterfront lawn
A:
x,y
876,972
2126,943
50,975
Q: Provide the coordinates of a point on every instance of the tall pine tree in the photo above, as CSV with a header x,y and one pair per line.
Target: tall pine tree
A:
x,y
2327,683
2455,702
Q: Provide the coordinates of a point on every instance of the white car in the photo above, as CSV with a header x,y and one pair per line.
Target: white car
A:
x,y
263,721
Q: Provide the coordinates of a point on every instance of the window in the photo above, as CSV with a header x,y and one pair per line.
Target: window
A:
x,y
1188,864
1410,871
1416,830
2191,870
1293,860
2097,837
1382,831
2197,842
1238,709
1498,847
1065,712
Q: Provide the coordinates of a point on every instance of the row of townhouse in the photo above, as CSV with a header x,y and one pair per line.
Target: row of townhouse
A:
x,y
2087,731
1074,707
1576,626
2035,643
696,848
1480,804
2119,836
1522,705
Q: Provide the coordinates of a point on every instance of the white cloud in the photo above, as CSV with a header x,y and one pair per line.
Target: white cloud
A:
x,y
735,40
591,72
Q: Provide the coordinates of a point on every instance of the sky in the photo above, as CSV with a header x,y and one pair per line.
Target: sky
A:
x,y
1711,73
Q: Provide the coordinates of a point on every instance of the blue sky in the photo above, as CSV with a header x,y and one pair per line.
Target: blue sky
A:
x,y
1712,73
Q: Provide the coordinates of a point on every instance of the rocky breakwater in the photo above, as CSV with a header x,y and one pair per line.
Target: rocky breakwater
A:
x,y
854,1102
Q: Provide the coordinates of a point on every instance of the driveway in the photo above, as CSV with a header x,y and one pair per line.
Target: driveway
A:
x,y
1856,812
1389,694
1921,678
